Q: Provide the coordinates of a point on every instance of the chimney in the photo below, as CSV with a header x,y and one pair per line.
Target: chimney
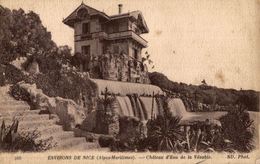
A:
x,y
120,8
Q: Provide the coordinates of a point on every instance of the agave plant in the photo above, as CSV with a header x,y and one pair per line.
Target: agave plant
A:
x,y
203,136
164,133
11,140
8,135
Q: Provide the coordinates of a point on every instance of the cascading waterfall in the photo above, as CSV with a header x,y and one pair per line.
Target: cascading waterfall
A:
x,y
129,106
177,108
133,104
147,103
141,107
123,111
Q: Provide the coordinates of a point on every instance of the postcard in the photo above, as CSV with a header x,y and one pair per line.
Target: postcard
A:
x,y
129,81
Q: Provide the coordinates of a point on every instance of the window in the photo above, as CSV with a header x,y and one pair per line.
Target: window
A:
x,y
82,13
85,28
135,53
85,50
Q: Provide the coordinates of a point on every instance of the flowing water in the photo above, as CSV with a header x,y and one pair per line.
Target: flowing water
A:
x,y
177,108
125,88
141,107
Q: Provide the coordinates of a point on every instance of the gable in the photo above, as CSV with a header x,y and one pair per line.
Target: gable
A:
x,y
82,12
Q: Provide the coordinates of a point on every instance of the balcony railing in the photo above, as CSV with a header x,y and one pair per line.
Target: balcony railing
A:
x,y
128,34
112,36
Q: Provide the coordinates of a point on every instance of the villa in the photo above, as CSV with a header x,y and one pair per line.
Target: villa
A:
x,y
110,46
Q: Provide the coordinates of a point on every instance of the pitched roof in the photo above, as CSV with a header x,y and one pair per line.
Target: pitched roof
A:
x,y
91,11
135,15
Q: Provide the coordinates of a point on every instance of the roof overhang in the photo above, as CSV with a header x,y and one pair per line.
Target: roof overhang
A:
x,y
73,17
136,16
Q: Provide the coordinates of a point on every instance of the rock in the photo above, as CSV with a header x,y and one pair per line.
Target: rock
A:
x,y
69,113
33,68
89,124
18,62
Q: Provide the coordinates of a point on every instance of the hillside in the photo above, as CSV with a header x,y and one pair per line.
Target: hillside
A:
x,y
208,95
23,40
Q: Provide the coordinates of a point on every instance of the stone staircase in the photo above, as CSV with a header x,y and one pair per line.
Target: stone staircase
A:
x,y
42,123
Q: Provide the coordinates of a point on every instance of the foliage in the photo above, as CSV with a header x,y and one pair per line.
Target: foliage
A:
x,y
11,140
105,116
206,94
105,141
233,133
164,133
21,94
130,137
9,74
66,83
147,60
22,34
203,136
238,128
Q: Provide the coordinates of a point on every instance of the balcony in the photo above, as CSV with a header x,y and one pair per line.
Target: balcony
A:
x,y
113,36
127,34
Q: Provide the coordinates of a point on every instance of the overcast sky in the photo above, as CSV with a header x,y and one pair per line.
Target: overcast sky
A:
x,y
189,40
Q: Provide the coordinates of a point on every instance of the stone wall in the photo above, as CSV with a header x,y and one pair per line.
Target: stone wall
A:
x,y
121,67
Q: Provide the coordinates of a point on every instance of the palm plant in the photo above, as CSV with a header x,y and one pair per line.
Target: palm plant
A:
x,y
164,133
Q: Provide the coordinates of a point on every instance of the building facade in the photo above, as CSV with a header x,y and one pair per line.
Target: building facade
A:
x,y
111,46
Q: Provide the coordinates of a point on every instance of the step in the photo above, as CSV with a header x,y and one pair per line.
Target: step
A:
x,y
32,117
12,102
46,130
58,136
31,125
24,125
85,146
12,113
14,107
70,142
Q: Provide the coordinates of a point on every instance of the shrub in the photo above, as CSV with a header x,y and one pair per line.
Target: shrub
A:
x,y
238,128
106,141
67,84
164,133
12,141
21,94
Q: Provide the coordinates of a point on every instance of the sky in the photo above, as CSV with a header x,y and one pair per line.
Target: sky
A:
x,y
189,40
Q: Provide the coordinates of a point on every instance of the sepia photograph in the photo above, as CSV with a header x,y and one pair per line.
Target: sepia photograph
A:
x,y
129,81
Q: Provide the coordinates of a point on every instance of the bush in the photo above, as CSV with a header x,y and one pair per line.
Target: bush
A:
x,y
106,141
12,141
207,94
67,84
238,128
21,94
